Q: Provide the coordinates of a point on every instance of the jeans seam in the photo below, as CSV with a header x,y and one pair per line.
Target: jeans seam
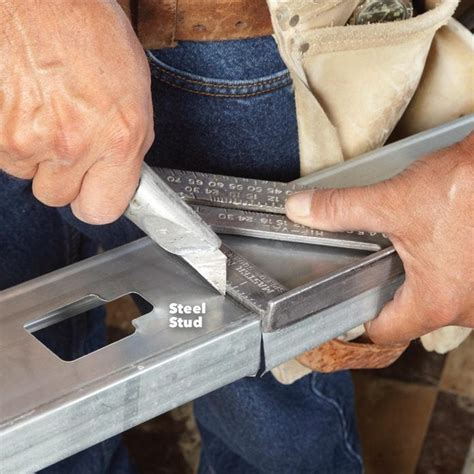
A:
x,y
217,87
342,419
248,85
221,95
282,76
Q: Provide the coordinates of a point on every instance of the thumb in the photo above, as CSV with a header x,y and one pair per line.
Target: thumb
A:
x,y
361,208
402,319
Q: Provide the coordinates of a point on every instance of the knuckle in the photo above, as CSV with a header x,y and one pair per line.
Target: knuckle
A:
x,y
333,205
69,147
122,143
133,117
393,198
19,144
130,132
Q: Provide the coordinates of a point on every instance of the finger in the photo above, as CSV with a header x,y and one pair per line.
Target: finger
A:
x,y
23,169
364,208
56,184
401,320
106,190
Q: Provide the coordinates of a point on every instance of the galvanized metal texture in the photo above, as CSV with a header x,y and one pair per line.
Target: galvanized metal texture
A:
x,y
51,409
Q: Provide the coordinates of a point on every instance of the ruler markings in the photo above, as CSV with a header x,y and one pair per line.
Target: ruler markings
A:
x,y
248,285
260,195
255,208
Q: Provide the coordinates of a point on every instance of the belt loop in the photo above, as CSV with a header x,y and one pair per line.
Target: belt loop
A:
x,y
156,23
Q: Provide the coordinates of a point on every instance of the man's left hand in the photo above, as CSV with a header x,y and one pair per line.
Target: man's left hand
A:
x,y
428,213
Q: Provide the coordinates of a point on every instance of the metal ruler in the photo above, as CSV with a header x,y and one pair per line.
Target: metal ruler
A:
x,y
51,409
256,208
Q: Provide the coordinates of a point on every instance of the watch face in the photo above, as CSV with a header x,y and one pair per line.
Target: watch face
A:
x,y
381,11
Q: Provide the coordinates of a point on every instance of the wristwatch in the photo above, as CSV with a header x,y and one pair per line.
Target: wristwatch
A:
x,y
381,11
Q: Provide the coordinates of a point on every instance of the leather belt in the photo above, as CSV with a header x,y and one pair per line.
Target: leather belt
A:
x,y
161,23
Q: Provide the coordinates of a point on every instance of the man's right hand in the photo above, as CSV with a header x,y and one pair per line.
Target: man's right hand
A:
x,y
75,104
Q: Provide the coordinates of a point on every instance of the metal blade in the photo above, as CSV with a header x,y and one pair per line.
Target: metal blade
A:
x,y
211,265
176,227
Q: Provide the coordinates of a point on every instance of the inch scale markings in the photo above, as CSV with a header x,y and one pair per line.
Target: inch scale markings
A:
x,y
248,285
279,227
256,208
228,191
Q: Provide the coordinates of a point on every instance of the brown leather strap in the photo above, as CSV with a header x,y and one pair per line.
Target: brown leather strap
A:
x,y
339,355
156,23
160,23
211,20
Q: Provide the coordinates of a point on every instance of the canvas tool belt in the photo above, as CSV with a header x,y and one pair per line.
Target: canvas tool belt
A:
x,y
161,23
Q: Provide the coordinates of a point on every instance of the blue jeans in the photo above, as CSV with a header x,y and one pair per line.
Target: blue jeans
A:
x,y
222,107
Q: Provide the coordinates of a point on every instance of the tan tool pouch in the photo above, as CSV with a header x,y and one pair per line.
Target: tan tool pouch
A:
x,y
446,89
353,85
352,82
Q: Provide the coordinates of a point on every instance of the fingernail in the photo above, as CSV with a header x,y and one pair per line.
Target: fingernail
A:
x,y
299,204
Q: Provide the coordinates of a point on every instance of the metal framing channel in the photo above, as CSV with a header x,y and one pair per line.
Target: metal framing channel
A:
x,y
51,409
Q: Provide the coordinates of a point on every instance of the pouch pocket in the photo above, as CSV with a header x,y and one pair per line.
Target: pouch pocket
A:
x,y
446,87
362,76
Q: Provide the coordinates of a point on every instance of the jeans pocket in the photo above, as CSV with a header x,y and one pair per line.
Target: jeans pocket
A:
x,y
244,127
214,87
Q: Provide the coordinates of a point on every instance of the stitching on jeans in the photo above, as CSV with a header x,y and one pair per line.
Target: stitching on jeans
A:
x,y
224,96
342,419
222,86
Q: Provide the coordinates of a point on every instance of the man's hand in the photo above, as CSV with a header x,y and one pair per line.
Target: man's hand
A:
x,y
428,213
75,103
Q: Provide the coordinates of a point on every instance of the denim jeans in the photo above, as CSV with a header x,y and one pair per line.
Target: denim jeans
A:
x,y
224,107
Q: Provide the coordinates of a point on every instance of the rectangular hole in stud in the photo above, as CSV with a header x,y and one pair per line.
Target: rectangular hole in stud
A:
x,y
88,324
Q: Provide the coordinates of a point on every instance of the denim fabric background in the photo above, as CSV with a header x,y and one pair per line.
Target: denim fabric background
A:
x,y
227,110
223,107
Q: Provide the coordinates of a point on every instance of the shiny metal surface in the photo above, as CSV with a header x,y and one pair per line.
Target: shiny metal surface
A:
x,y
256,208
173,225
211,265
341,285
248,285
51,409
281,346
